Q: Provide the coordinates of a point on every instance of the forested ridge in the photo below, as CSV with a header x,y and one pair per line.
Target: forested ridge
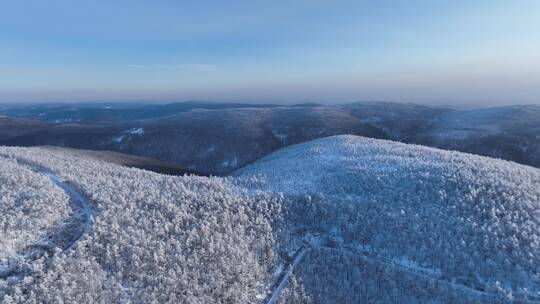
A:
x,y
400,223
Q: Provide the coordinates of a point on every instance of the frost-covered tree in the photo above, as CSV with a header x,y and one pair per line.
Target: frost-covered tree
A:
x,y
381,222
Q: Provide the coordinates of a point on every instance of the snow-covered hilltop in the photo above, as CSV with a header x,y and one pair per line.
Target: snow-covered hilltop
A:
x,y
343,219
458,217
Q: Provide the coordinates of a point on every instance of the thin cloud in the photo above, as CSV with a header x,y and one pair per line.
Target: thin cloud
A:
x,y
187,67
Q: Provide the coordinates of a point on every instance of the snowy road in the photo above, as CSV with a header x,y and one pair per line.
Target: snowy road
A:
x,y
80,201
297,257
300,253
65,238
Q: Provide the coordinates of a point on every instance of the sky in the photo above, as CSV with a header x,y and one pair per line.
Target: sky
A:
x,y
482,52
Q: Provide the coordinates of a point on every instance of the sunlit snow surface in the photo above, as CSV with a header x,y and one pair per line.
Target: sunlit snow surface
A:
x,y
154,238
385,222
30,207
460,217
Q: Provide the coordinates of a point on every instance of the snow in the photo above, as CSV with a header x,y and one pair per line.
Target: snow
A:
x,y
423,208
284,280
418,217
137,131
281,136
31,207
119,139
405,262
230,163
151,235
133,131
211,149
76,198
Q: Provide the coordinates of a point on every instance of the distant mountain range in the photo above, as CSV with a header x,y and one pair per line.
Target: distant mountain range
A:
x,y
217,138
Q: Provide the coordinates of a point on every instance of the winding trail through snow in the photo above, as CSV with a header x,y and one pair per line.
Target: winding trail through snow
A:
x,y
77,200
297,257
306,247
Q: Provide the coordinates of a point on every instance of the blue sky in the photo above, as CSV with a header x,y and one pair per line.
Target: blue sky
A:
x,y
451,52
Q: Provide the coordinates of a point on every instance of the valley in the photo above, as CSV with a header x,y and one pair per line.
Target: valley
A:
x,y
215,139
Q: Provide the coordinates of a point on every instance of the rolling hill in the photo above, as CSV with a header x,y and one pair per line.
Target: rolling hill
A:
x,y
11,127
468,223
357,219
219,138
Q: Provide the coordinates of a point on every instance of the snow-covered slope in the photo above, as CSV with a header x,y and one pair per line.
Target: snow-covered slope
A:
x,y
358,220
153,239
455,216
30,208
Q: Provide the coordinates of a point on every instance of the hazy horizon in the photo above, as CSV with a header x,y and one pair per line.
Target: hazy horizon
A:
x,y
484,53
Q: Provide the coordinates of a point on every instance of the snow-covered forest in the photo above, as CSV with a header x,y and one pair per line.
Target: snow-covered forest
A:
x,y
461,218
30,206
379,222
154,239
